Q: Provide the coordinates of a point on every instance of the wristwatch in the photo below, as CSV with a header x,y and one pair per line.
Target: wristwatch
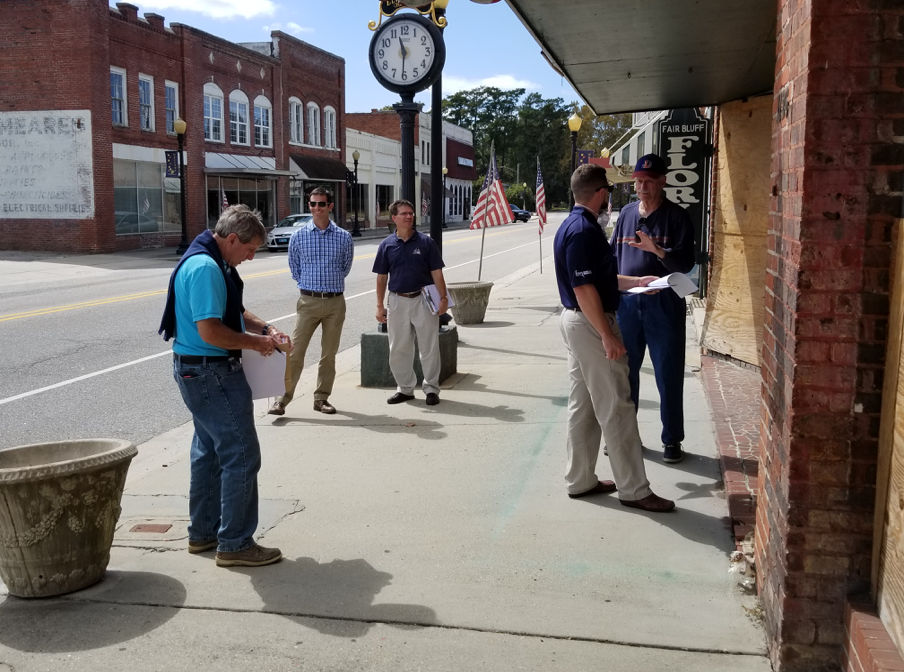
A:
x,y
266,329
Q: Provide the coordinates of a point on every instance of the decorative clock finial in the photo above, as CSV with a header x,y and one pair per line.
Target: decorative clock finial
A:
x,y
435,10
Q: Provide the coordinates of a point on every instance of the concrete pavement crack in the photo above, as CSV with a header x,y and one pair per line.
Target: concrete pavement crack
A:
x,y
425,625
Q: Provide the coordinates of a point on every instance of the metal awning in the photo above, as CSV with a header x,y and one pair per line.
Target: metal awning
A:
x,y
629,56
242,165
318,168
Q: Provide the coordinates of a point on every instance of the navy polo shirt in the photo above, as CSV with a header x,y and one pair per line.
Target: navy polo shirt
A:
x,y
407,262
669,226
583,257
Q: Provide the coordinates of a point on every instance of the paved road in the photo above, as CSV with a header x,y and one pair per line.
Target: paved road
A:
x,y
65,317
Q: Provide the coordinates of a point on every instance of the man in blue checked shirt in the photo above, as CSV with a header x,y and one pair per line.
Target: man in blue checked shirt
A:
x,y
320,258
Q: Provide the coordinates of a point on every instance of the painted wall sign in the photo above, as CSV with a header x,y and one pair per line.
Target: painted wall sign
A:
x,y
685,144
462,161
46,165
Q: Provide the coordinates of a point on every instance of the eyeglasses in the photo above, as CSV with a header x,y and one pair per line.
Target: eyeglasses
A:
x,y
607,187
318,204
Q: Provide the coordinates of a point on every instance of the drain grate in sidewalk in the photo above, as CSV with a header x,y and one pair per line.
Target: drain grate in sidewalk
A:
x,y
734,398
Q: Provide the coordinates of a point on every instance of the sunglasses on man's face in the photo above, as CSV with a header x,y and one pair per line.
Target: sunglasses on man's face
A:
x,y
318,204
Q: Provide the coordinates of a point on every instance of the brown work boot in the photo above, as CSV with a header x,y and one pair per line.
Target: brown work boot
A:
x,y
255,556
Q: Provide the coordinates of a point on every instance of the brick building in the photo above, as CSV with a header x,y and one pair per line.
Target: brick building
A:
x,y
807,274
458,159
88,97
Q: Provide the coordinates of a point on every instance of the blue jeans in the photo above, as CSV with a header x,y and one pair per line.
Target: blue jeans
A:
x,y
225,454
657,321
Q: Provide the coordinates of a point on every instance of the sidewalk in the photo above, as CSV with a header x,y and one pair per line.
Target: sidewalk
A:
x,y
422,539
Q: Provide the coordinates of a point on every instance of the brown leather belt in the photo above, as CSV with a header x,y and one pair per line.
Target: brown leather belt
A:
x,y
320,295
408,295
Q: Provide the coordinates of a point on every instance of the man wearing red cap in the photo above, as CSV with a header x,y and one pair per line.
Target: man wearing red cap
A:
x,y
654,236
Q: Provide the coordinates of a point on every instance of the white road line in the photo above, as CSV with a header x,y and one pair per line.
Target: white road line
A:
x,y
64,383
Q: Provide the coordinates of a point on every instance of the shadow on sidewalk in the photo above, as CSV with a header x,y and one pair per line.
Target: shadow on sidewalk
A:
x,y
691,525
469,384
335,598
462,344
381,424
98,617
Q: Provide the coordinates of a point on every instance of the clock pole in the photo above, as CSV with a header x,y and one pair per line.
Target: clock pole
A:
x,y
408,111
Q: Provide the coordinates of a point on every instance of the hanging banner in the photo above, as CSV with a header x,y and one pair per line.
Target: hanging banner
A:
x,y
172,163
685,142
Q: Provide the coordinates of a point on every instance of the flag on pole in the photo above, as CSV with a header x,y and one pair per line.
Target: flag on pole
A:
x,y
146,206
541,198
492,207
425,205
223,202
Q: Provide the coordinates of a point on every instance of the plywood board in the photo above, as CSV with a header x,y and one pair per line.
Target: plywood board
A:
x,y
734,308
888,546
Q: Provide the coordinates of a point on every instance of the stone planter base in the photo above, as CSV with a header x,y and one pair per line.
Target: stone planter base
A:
x,y
59,504
471,301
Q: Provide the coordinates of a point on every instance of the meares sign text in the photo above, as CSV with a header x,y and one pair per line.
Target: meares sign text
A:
x,y
46,165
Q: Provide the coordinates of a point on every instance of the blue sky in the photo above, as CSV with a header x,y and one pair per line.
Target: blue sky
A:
x,y
486,45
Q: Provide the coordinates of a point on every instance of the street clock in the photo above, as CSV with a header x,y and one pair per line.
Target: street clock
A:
x,y
407,53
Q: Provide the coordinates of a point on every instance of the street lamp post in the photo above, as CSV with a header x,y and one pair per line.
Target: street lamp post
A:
x,y
524,197
356,232
179,127
445,172
574,125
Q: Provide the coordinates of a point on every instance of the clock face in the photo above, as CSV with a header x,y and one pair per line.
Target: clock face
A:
x,y
406,55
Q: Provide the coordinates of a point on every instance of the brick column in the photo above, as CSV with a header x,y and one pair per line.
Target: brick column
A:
x,y
837,180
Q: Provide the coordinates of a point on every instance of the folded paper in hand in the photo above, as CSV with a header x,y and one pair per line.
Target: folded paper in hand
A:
x,y
431,298
682,285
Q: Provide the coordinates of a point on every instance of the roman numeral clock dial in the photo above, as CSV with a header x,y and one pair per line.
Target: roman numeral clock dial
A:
x,y
407,54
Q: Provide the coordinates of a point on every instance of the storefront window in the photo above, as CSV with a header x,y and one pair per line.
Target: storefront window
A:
x,y
143,200
256,194
385,198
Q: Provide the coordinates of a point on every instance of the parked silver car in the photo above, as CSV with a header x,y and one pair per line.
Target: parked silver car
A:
x,y
278,238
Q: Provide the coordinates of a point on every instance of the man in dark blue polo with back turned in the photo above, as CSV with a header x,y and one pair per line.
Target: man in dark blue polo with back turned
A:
x,y
654,236
599,403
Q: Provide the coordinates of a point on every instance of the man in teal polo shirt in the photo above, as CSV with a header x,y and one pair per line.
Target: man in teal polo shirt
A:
x,y
210,326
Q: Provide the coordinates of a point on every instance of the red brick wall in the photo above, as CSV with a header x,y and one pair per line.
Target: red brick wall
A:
x,y
837,181
56,59
378,122
867,645
57,55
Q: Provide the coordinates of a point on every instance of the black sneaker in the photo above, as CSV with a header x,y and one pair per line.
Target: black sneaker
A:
x,y
672,453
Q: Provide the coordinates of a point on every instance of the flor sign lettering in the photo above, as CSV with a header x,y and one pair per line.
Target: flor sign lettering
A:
x,y
682,175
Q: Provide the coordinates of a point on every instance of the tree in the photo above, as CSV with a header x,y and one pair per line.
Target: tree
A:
x,y
600,132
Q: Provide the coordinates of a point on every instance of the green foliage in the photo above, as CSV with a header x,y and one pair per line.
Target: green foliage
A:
x,y
526,128
520,195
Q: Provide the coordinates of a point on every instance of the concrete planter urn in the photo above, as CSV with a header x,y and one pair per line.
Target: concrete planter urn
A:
x,y
471,301
59,505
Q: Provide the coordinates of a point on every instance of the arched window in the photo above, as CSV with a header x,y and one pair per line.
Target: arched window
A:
x,y
296,120
263,122
238,118
329,127
213,113
314,125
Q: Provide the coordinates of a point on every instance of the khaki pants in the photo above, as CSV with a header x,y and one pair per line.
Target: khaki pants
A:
x,y
599,405
329,315
407,317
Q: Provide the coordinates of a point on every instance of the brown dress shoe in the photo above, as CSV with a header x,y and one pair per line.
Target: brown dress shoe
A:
x,y
255,556
278,408
652,503
601,488
324,406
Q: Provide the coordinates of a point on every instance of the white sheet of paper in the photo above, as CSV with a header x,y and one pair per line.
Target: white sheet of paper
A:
x,y
679,282
266,375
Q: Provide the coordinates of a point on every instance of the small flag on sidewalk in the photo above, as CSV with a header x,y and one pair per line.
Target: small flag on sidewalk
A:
x,y
492,206
541,198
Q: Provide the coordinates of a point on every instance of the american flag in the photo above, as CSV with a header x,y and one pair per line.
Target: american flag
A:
x,y
541,198
492,207
425,206
223,202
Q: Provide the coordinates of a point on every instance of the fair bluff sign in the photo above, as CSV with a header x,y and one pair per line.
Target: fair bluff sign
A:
x,y
685,142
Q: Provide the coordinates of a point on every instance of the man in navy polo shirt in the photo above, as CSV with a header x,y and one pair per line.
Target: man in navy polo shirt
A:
x,y
654,236
407,260
599,404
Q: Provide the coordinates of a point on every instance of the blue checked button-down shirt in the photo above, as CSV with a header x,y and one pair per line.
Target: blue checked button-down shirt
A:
x,y
320,260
